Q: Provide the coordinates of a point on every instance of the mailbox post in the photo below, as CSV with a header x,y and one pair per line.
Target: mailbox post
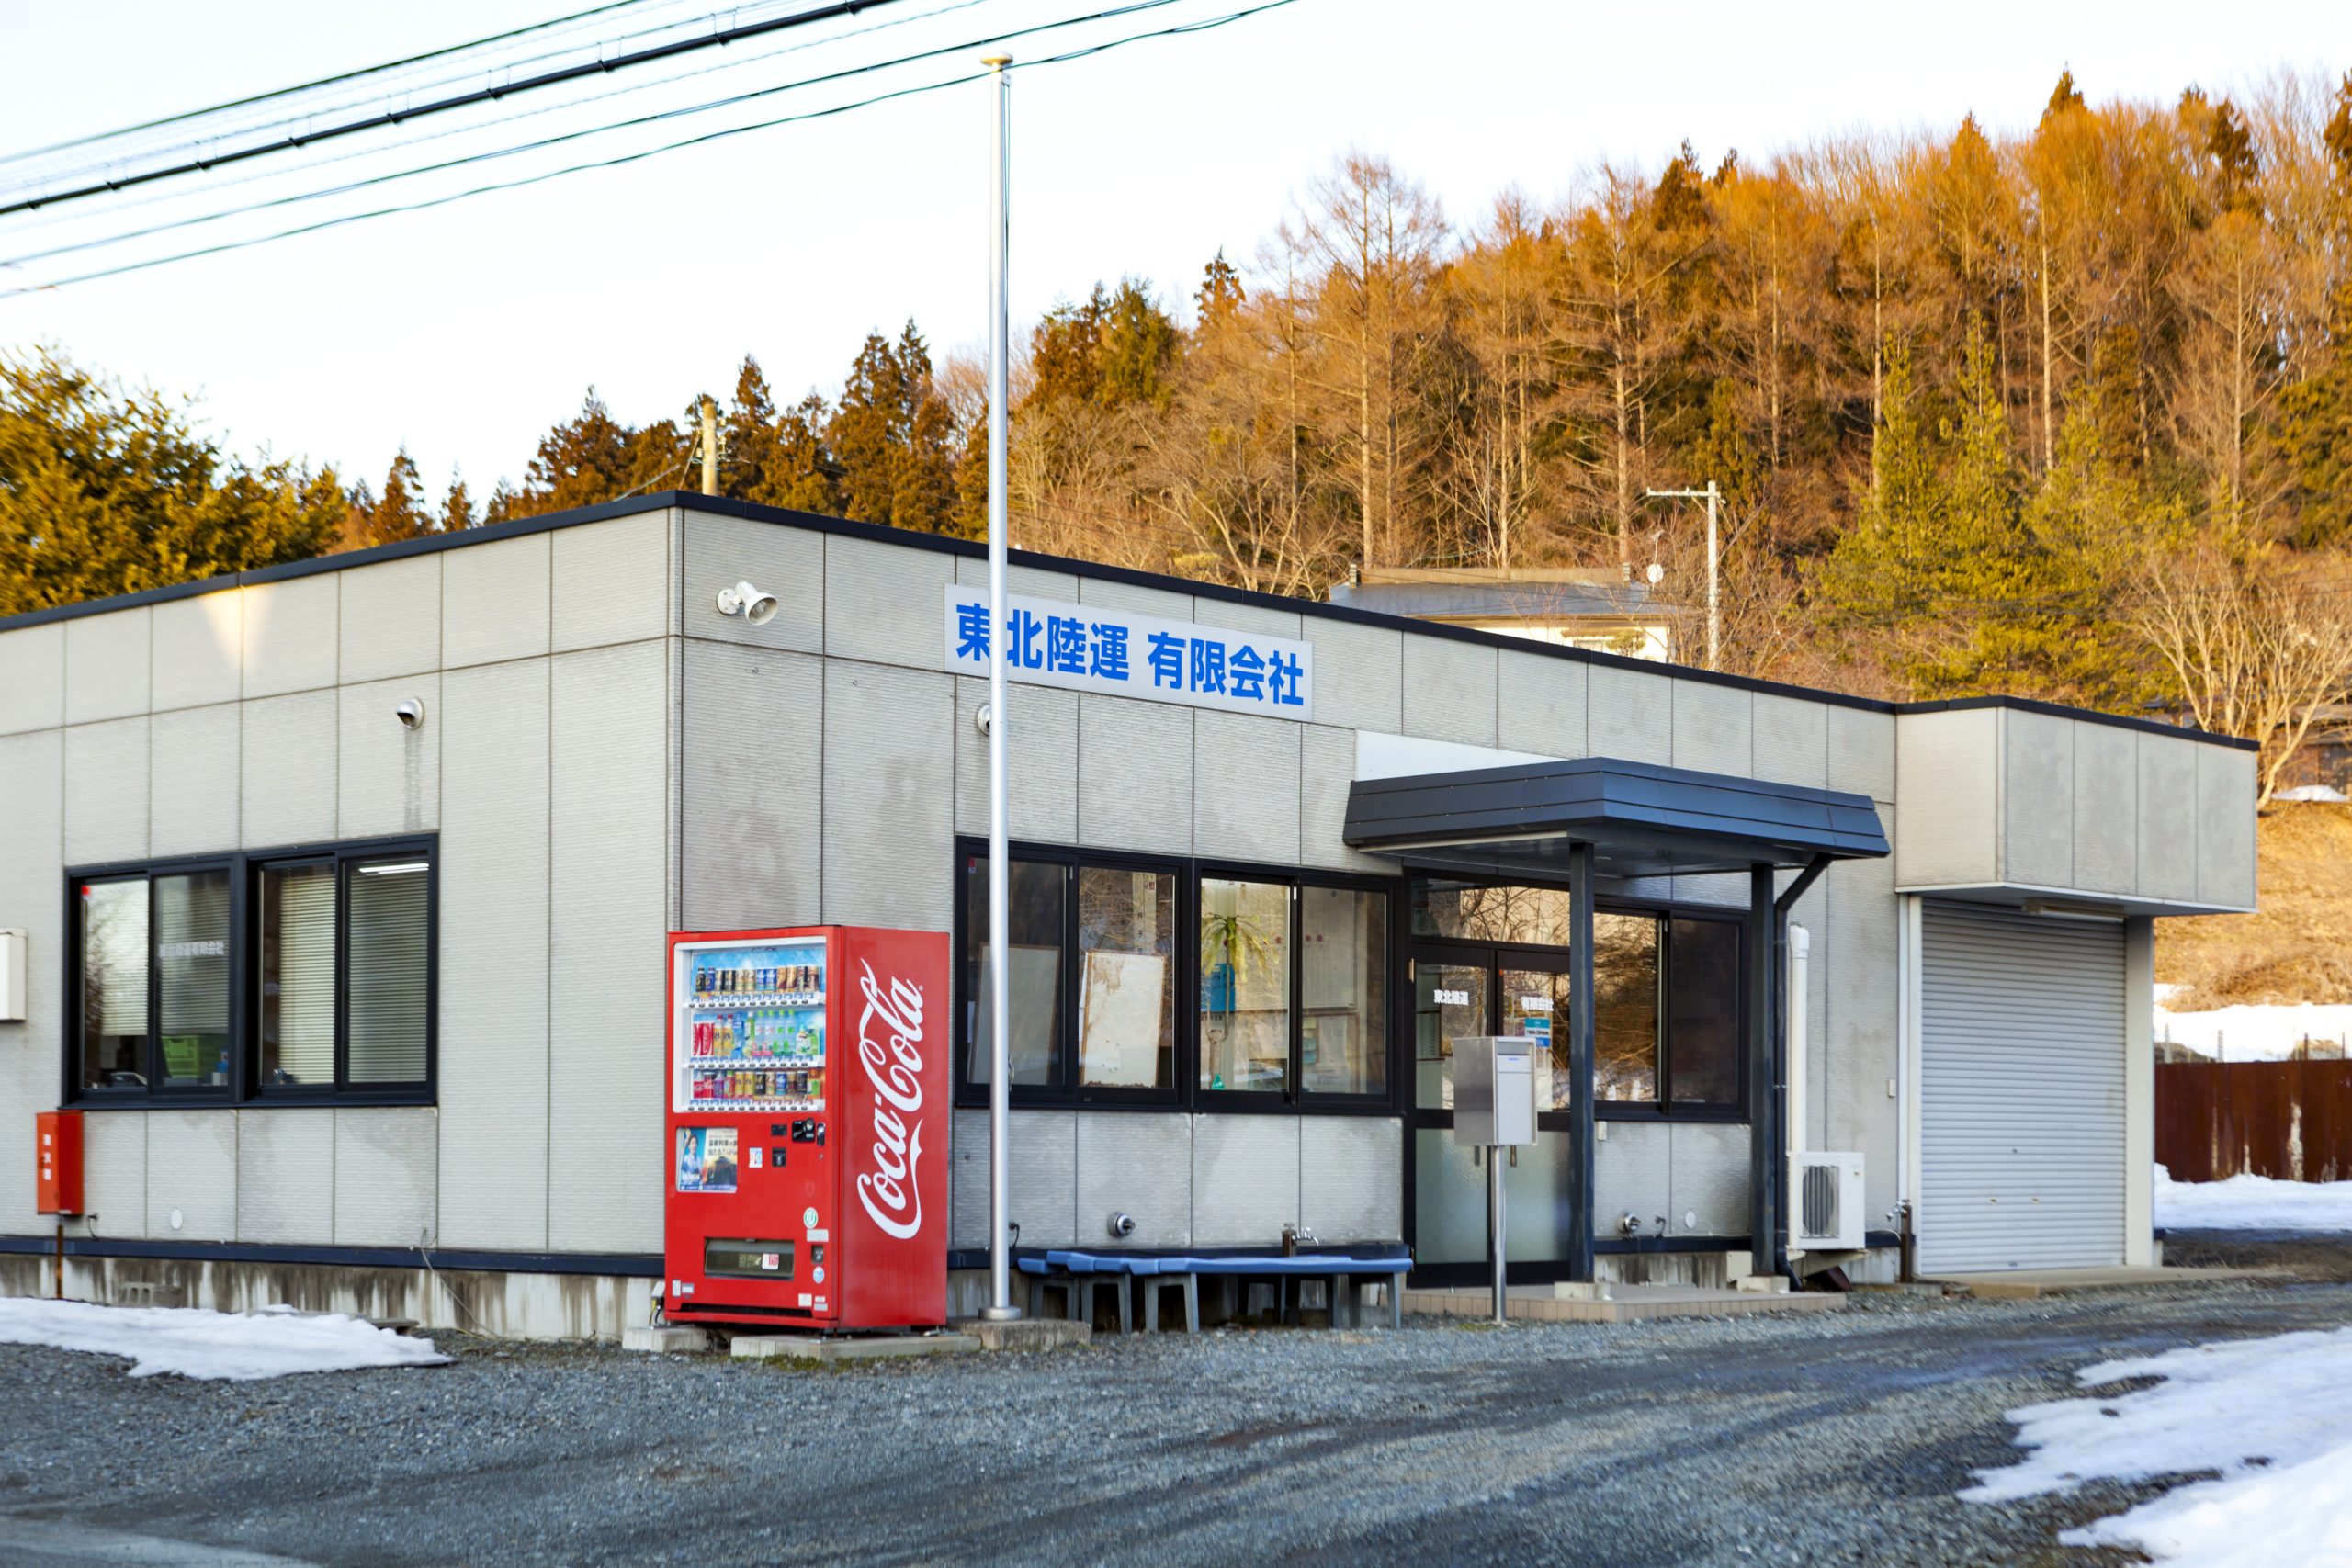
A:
x,y
1494,1109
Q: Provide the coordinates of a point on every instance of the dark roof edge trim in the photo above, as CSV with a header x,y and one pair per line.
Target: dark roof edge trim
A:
x,y
722,506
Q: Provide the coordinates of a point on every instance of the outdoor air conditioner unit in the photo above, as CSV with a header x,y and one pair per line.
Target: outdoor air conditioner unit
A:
x,y
1825,1202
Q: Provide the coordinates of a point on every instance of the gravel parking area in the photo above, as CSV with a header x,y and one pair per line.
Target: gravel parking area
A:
x,y
1840,1437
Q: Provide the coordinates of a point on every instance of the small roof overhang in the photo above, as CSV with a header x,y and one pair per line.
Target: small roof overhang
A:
x,y
1642,819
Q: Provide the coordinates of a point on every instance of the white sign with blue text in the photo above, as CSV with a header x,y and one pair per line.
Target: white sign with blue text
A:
x,y
1086,647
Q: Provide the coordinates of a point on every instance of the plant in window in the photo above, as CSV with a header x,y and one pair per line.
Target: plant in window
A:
x,y
1238,942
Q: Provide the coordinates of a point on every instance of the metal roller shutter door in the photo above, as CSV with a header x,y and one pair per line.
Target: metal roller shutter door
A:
x,y
2021,1091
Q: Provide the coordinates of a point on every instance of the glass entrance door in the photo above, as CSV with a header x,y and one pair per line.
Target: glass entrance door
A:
x,y
1463,989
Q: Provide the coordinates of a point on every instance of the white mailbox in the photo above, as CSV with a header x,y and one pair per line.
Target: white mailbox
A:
x,y
1493,1090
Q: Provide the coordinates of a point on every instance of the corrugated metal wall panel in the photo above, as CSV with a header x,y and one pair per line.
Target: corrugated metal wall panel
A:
x,y
1326,763
1245,786
2225,851
494,601
1245,1180
191,1169
1134,775
1947,770
1632,717
1449,690
2167,858
389,776
493,1012
1352,1178
610,581
1714,728
1140,1165
32,851
2021,1091
753,842
889,781
32,678
1041,795
114,1171
1043,1178
607,850
2107,809
107,663
286,1176
1709,1178
391,619
291,637
2038,800
289,754
198,646
1540,705
193,777
1358,675
105,792
1631,1171
786,562
386,1162
1792,740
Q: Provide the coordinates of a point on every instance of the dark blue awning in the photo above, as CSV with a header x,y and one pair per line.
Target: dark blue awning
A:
x,y
1642,819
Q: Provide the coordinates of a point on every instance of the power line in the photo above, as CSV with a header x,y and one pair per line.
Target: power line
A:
x,y
459,100
625,158
478,125
336,80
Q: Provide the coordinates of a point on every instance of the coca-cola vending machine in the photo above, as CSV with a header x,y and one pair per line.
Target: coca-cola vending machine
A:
x,y
807,1156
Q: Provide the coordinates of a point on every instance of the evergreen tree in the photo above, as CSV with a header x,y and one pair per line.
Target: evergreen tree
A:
x,y
891,439
1065,352
1139,346
1220,296
105,491
457,505
396,514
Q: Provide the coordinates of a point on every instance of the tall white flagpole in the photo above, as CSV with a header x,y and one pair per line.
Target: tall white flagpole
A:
x,y
1000,1307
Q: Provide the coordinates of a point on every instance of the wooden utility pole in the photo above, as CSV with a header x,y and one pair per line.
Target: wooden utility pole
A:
x,y
709,445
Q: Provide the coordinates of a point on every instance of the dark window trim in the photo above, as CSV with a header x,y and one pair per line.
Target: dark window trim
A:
x,y
245,1086
1667,910
1186,1095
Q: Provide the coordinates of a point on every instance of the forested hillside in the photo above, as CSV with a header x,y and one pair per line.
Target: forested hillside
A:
x,y
2068,414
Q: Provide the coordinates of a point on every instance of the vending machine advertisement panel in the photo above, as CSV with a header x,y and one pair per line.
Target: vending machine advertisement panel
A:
x,y
806,1159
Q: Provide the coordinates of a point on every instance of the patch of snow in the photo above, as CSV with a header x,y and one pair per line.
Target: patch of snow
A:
x,y
199,1343
2313,792
2272,1416
2252,1202
2248,1032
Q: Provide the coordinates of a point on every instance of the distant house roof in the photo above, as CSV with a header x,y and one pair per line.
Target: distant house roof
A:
x,y
1480,594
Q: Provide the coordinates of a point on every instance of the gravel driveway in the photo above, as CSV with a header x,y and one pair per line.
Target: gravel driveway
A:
x,y
1830,1438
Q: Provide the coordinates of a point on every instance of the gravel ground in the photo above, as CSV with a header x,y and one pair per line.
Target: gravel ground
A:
x,y
1829,1438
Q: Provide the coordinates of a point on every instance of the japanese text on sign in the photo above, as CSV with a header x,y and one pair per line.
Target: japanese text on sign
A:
x,y
1086,647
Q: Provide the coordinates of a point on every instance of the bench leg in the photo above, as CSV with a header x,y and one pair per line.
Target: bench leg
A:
x,y
1191,1303
1119,1286
1150,1305
1396,1300
1336,1292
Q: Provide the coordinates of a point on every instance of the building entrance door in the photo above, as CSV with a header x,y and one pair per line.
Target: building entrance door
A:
x,y
1462,989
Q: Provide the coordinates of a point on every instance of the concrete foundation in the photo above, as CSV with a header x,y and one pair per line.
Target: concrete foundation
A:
x,y
1624,1303
1025,1333
671,1340
876,1347
499,1305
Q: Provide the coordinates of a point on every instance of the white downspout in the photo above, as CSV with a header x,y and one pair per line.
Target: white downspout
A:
x,y
1797,1112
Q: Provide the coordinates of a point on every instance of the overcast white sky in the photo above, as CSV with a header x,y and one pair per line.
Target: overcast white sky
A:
x,y
465,330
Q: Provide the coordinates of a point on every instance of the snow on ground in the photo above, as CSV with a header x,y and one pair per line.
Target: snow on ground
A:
x,y
2246,1032
2272,1416
2252,1204
198,1344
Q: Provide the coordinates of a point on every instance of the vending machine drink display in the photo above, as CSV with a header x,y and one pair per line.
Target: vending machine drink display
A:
x,y
807,1156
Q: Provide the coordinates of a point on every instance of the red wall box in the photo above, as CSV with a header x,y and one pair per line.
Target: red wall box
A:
x,y
805,1162
57,1184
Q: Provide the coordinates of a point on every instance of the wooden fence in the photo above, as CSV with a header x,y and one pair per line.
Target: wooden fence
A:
x,y
2289,1121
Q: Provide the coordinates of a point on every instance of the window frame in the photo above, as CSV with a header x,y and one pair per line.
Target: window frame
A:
x,y
1071,1091
1665,911
244,868
1186,1094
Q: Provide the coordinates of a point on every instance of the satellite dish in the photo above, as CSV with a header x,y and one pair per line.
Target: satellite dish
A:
x,y
1655,573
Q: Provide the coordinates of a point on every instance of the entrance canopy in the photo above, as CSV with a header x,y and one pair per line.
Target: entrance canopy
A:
x,y
1641,819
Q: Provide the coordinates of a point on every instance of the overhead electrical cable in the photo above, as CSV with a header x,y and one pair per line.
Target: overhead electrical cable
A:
x,y
1180,30
442,106
545,143
70,215
276,93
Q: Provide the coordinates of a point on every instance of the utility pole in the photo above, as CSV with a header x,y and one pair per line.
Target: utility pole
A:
x,y
1714,567
709,445
1000,1308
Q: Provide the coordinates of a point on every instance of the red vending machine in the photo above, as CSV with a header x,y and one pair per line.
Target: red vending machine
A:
x,y
807,1161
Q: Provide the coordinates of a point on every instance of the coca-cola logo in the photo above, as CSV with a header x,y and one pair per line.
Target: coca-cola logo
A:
x,y
890,1192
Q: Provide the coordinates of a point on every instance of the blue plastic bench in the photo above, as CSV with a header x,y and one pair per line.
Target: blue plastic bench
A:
x,y
1077,1273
